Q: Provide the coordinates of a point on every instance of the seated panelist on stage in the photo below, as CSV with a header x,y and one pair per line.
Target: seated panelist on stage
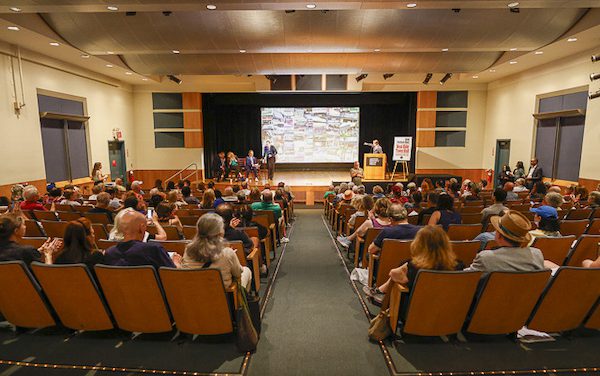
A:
x,y
220,167
375,147
252,165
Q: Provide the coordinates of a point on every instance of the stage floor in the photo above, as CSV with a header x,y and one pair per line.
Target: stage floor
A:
x,y
308,178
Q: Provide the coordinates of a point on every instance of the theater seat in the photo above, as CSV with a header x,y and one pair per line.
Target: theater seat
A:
x,y
573,227
466,251
554,249
465,231
135,298
22,302
361,246
585,248
177,246
74,296
393,254
197,300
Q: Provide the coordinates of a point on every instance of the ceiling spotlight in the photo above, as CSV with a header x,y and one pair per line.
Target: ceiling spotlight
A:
x,y
444,50
513,49
376,50
144,79
175,51
539,52
13,28
492,71
273,79
595,95
361,77
512,62
109,65
311,6
288,11
456,10
475,77
513,5
54,44
85,56
174,79
427,78
112,8
128,73
411,5
130,13
387,75
242,51
445,78
167,13
572,39
211,7
595,58
15,9
110,52
594,76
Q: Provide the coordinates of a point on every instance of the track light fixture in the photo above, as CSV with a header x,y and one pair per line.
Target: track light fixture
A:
x,y
594,76
167,13
514,7
273,79
387,75
427,78
595,95
445,78
175,79
361,77
595,58
130,13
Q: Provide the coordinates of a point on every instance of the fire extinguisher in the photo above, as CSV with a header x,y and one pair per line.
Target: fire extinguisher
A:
x,y
489,175
130,176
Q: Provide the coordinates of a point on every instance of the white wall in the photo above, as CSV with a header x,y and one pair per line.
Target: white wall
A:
x,y
21,154
512,101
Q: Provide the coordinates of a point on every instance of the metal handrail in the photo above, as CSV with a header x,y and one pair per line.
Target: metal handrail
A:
x,y
195,172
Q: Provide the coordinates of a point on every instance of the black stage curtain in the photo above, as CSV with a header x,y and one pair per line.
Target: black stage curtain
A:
x,y
232,121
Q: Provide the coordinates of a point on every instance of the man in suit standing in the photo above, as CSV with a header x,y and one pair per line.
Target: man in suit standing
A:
x,y
252,165
535,173
220,169
269,153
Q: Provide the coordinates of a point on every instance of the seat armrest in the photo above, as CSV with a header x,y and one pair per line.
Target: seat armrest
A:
x,y
254,258
395,299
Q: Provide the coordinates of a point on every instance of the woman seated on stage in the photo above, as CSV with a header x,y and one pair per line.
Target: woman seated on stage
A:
x,y
378,218
233,165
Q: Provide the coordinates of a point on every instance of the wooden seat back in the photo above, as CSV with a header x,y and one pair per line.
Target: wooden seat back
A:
x,y
22,302
135,298
189,221
83,208
472,219
33,229
68,216
172,232
594,227
574,227
100,231
199,212
393,253
64,207
439,302
370,236
238,247
43,215
571,294
593,322
177,246
554,249
506,301
464,231
210,312
189,232
35,242
471,210
54,229
74,295
579,214
466,250
101,218
106,244
519,207
473,203
587,247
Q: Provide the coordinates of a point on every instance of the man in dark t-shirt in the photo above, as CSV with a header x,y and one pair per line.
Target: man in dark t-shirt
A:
x,y
400,228
232,234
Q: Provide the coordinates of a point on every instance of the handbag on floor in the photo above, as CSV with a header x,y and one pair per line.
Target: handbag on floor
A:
x,y
379,327
246,335
254,309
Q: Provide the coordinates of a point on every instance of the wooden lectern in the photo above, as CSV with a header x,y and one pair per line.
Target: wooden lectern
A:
x,y
374,166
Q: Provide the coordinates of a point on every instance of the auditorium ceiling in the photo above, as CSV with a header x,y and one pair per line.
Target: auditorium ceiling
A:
x,y
246,37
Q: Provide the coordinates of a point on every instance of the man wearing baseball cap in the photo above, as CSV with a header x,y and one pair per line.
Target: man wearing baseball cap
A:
x,y
512,235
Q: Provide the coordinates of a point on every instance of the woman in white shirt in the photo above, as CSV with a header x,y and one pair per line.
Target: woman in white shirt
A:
x,y
97,174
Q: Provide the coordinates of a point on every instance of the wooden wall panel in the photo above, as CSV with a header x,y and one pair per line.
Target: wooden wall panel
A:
x,y
474,174
193,120
426,119
590,184
40,184
425,138
192,101
427,99
193,139
150,176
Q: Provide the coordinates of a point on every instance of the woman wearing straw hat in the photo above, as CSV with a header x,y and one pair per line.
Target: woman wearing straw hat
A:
x,y
512,235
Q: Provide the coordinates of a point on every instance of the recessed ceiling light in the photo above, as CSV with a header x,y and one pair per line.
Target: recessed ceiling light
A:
x,y
110,52
144,79
112,8
444,50
572,40
377,50
13,28
243,51
411,5
309,50
211,7
109,65
54,44
512,62
476,77
15,9
311,6
175,51
128,73
492,70
513,49
539,52
85,56
513,4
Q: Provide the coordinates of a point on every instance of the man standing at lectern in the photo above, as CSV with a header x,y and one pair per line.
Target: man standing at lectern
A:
x,y
375,147
269,153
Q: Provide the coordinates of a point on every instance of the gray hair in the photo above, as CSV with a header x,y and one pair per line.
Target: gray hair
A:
x,y
116,234
553,199
208,242
397,212
154,191
594,197
30,193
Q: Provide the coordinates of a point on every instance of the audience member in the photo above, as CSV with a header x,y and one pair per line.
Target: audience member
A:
x,y
132,250
512,232
520,186
79,245
329,192
594,200
398,229
208,199
70,198
208,249
378,218
115,203
102,202
546,219
188,197
119,185
538,192
12,230
230,223
444,214
266,203
164,212
535,174
254,195
554,199
510,193
158,184
96,190
378,192
519,171
31,196
432,200
587,263
499,198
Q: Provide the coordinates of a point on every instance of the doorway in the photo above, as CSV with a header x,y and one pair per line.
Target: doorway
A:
x,y
116,156
502,158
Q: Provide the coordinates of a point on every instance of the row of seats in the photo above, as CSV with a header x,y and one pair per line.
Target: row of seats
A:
x,y
444,303
134,299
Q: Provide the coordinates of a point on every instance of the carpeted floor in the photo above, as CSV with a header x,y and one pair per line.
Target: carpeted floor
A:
x,y
314,324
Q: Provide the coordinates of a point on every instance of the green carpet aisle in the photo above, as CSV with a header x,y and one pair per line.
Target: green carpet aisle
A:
x,y
314,324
